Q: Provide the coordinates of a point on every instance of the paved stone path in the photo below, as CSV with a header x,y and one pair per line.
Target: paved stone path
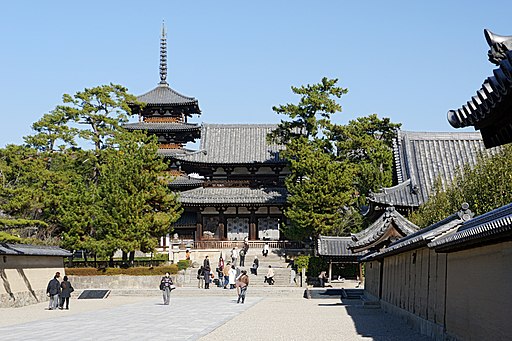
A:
x,y
205,318
185,319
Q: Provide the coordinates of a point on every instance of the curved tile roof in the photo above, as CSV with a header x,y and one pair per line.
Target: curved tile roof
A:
x,y
423,157
32,250
489,109
162,127
489,227
185,181
388,220
335,246
236,144
233,195
163,94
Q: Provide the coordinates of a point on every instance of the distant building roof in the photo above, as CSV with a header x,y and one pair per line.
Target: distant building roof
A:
x,y
235,144
186,181
233,195
336,247
423,157
390,226
162,127
32,250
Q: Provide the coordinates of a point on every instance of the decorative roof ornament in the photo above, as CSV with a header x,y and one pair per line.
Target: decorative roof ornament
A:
x,y
499,45
163,56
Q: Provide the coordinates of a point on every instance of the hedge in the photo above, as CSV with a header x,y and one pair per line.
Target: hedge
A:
x,y
135,271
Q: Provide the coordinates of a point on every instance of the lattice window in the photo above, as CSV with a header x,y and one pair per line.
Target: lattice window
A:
x,y
268,228
237,228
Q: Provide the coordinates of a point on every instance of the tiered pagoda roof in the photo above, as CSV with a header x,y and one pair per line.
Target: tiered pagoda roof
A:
x,y
389,227
490,109
421,158
235,144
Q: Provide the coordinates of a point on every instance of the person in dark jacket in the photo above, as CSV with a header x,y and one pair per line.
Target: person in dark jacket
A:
x,y
53,291
206,272
65,292
255,265
166,285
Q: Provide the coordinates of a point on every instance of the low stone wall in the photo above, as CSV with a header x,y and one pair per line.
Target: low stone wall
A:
x,y
129,282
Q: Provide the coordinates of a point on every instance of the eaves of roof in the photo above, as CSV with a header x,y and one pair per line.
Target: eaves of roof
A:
x,y
162,127
163,94
241,196
491,227
32,250
388,220
336,247
494,90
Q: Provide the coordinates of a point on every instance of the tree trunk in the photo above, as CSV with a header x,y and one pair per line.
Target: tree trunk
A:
x,y
132,257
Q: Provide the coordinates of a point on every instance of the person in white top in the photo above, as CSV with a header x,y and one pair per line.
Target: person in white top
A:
x,y
269,278
232,277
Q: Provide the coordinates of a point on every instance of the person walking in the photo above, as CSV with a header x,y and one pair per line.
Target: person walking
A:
x,y
269,278
206,272
234,256
265,250
243,283
166,285
255,265
200,278
242,257
53,291
65,292
225,272
232,277
220,273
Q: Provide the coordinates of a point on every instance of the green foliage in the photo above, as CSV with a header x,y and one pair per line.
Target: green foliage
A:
x,y
9,238
301,262
135,271
109,198
332,167
21,223
485,187
184,264
366,144
316,265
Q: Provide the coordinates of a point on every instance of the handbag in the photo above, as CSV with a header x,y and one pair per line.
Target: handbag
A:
x,y
172,287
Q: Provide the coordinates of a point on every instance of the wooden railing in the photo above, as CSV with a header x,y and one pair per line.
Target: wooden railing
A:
x,y
256,244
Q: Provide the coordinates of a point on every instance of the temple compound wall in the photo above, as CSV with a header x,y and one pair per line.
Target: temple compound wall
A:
x,y
25,278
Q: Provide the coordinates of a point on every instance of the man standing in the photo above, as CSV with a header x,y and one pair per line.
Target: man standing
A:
x,y
242,257
243,284
255,265
165,286
206,272
53,291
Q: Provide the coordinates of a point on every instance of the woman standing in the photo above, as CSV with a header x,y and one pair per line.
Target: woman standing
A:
x,y
232,277
65,293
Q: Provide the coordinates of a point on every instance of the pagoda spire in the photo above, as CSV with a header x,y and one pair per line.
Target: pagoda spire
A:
x,y
163,56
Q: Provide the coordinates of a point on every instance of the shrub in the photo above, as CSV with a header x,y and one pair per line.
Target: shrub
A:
x,y
135,271
184,264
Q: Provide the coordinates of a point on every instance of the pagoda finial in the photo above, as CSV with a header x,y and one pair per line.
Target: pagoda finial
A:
x,y
163,56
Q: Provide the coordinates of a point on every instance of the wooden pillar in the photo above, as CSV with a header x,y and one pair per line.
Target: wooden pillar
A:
x,y
330,270
253,233
199,227
222,223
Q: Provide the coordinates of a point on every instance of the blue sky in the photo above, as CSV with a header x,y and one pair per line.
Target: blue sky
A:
x,y
411,61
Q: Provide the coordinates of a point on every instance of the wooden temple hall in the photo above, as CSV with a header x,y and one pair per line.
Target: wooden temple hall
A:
x,y
232,186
